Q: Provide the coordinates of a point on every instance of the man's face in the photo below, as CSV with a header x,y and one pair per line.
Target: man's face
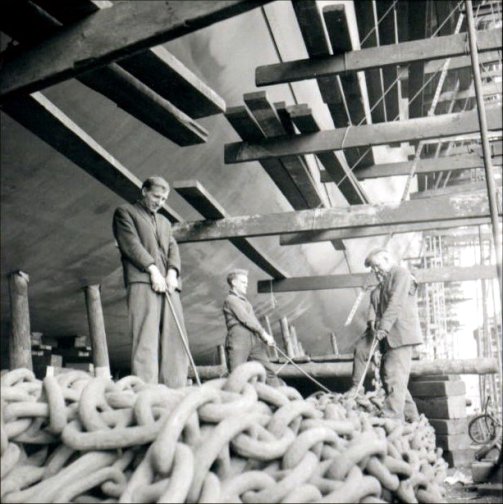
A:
x,y
154,198
380,265
240,284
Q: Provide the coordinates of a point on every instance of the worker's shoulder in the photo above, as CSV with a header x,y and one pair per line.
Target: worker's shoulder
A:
x,y
125,208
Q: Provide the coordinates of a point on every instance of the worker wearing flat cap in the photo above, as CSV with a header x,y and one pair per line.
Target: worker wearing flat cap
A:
x,y
246,338
151,266
398,330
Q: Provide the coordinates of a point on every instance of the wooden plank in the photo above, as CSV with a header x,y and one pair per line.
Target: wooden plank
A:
x,y
433,193
366,23
433,165
311,27
373,57
365,232
248,129
141,102
374,134
37,114
433,275
268,120
157,68
453,207
303,118
489,89
126,91
337,24
197,196
461,62
111,34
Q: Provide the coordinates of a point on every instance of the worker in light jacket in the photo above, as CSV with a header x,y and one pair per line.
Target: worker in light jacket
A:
x,y
398,330
246,338
151,266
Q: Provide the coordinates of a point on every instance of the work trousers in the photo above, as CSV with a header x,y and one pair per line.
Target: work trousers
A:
x,y
158,354
395,372
243,345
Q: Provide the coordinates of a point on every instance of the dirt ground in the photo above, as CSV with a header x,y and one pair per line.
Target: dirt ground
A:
x,y
468,492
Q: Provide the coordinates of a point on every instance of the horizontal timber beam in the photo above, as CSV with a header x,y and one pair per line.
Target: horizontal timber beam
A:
x,y
452,207
374,57
365,232
108,35
197,196
461,62
423,128
326,282
449,163
40,116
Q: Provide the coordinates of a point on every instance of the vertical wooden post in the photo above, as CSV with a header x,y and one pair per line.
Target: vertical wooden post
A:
x,y
222,357
20,334
285,332
273,352
333,340
97,332
295,341
301,350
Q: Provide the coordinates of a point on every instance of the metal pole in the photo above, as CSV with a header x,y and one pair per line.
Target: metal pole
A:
x,y
491,186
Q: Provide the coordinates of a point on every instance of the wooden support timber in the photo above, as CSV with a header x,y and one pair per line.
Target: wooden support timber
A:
x,y
461,62
326,282
455,207
426,165
97,332
20,332
111,34
438,367
374,57
442,191
303,118
197,196
40,116
423,128
365,232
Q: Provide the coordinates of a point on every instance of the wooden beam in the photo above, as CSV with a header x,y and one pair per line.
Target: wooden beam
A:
x,y
460,62
366,30
248,129
455,207
374,134
433,275
197,196
426,165
303,118
111,34
374,57
489,89
337,24
40,116
442,191
268,120
365,232
157,68
20,332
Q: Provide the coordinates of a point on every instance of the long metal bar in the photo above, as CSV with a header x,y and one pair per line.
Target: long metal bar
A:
x,y
491,186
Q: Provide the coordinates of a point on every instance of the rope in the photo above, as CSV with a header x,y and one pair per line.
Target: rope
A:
x,y
378,23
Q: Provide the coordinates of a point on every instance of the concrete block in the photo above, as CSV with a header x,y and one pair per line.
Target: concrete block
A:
x,y
458,458
482,471
453,442
442,407
452,426
437,388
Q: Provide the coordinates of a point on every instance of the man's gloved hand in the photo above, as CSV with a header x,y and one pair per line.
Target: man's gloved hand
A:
x,y
380,334
156,279
268,339
171,280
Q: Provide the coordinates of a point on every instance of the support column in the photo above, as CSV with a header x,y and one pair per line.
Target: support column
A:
x,y
97,332
222,357
295,341
20,333
285,332
333,340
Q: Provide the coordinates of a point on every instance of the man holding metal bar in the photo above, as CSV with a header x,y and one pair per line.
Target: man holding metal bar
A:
x,y
151,266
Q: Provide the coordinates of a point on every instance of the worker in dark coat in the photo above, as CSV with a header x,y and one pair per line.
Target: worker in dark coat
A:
x,y
151,265
398,330
246,338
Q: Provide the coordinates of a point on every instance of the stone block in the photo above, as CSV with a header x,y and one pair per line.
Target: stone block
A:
x,y
453,442
442,407
482,471
458,458
452,426
437,388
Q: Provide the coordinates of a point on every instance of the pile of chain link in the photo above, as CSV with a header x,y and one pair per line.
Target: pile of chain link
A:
x,y
75,438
